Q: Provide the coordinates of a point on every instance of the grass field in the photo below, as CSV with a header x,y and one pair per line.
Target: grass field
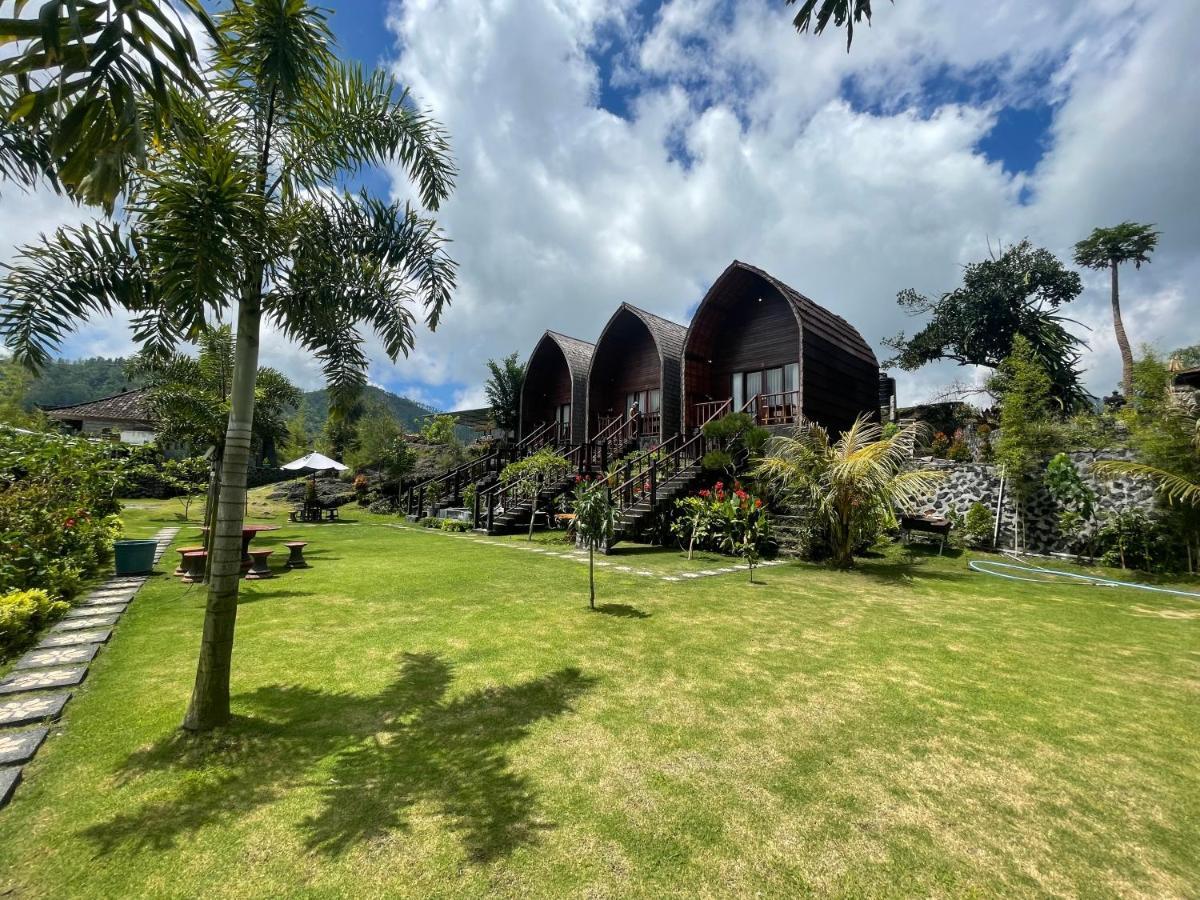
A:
x,y
419,715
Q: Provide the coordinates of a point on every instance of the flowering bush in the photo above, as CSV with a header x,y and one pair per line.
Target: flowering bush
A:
x,y
57,512
958,449
730,521
939,445
22,614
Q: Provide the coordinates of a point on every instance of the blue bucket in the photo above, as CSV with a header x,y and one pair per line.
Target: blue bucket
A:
x,y
134,557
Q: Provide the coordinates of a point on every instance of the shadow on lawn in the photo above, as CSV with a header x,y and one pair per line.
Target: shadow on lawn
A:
x,y
622,611
373,757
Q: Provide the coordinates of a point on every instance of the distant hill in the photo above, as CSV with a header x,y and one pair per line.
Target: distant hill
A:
x,y
409,412
67,382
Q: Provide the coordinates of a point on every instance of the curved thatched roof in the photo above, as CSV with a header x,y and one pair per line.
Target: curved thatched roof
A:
x,y
812,316
577,353
668,336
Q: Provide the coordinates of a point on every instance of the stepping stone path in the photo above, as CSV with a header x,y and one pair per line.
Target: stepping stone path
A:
x,y
30,693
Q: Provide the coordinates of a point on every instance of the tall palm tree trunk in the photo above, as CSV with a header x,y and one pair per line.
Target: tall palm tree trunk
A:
x,y
1122,339
209,706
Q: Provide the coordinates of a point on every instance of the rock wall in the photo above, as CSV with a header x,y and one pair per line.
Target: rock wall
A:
x,y
968,483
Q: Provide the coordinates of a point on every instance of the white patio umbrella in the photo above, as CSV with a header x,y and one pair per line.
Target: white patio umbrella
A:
x,y
316,462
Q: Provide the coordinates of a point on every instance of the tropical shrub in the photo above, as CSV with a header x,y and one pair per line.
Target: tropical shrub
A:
x,y
958,450
939,445
852,485
746,528
430,522
722,520
22,615
57,519
1134,540
735,436
545,462
978,526
455,525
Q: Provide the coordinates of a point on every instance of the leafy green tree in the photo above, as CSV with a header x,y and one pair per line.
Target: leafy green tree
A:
x,y
297,442
91,82
816,14
188,477
503,390
849,483
1164,430
1019,292
240,206
67,382
1027,435
1108,248
439,430
595,522
376,433
15,382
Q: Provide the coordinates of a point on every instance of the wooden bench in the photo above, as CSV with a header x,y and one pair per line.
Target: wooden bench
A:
x,y
934,525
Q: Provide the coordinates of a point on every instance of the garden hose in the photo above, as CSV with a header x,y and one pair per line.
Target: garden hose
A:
x,y
986,566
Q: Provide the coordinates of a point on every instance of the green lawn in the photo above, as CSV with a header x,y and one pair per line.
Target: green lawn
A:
x,y
420,715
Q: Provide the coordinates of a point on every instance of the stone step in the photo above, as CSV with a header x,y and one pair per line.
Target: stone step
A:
x,y
19,746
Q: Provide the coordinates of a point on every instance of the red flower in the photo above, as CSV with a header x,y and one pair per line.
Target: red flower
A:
x,y
705,493
70,523
720,486
740,494
645,485
578,478
757,503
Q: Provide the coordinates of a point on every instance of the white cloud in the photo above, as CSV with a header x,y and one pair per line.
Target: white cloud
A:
x,y
739,144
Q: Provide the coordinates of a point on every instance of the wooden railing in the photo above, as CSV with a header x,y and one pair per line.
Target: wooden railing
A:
x,y
702,413
643,479
550,434
782,408
452,482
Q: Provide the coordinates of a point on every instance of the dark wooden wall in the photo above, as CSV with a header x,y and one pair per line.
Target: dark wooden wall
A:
x,y
626,359
837,386
547,385
739,335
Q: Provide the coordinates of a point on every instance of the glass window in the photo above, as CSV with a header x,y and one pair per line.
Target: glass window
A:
x,y
654,401
774,379
564,413
791,377
739,391
754,384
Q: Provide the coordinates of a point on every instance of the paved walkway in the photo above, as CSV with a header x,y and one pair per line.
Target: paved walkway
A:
x,y
581,556
36,691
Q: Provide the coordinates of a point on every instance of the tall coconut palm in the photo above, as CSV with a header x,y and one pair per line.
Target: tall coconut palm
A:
x,y
239,209
1108,248
89,83
849,483
816,14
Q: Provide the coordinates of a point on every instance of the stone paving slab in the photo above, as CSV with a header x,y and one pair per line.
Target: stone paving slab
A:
x,y
89,623
23,710
101,597
107,609
48,657
73,638
40,679
9,776
19,746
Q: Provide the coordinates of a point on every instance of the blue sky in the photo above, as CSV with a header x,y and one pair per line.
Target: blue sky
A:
x,y
628,150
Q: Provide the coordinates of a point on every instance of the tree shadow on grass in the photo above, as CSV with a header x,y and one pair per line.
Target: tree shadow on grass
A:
x,y
374,758
622,611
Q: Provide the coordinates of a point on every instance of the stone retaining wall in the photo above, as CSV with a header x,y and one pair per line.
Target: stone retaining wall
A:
x,y
967,483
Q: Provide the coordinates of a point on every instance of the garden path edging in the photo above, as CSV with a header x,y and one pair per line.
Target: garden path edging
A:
x,y
60,659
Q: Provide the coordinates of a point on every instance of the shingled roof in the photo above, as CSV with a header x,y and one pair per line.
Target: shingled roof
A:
x,y
668,336
128,406
813,317
577,353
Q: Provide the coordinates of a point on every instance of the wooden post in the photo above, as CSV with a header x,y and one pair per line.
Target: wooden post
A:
x,y
491,511
475,510
653,484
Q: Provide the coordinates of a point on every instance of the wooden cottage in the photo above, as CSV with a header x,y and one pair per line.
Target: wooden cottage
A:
x,y
555,386
124,417
638,358
757,344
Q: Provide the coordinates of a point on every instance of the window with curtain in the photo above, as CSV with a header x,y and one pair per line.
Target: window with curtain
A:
x,y
774,381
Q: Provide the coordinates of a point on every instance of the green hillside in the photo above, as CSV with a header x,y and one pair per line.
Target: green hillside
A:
x,y
408,412
67,382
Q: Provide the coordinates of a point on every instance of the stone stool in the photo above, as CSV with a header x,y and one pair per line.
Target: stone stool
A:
x,y
296,558
181,569
193,565
258,565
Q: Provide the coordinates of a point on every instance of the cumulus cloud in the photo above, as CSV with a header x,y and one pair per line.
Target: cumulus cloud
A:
x,y
850,176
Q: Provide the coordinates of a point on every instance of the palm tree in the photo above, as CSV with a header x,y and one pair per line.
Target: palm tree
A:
x,y
72,94
849,483
190,395
240,209
841,12
1107,248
